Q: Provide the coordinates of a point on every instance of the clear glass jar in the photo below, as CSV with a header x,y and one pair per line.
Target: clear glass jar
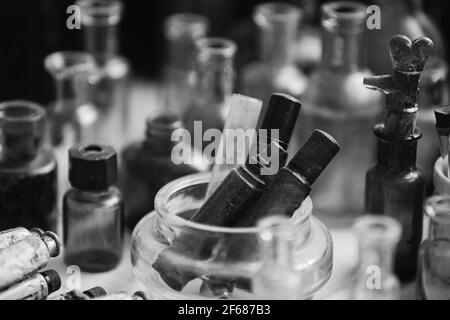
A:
x,y
313,246
434,255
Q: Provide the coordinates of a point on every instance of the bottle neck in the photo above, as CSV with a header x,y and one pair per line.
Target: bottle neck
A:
x,y
158,134
182,31
215,70
344,37
437,209
397,154
439,230
100,23
278,25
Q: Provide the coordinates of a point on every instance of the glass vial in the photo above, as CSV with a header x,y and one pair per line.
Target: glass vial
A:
x,y
28,171
337,102
374,279
148,166
93,210
214,83
182,30
100,23
276,72
434,255
36,287
73,119
277,279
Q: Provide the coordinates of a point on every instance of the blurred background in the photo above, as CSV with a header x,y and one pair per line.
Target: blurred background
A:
x,y
30,30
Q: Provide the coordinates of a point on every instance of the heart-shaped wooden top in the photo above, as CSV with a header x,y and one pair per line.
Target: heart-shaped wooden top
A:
x,y
410,56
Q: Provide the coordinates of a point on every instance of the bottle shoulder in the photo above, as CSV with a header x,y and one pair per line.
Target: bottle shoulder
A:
x,y
108,198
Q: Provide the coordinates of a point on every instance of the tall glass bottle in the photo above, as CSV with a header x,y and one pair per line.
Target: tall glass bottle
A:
x,y
214,84
335,102
100,23
407,17
275,72
434,255
181,31
374,279
28,173
73,118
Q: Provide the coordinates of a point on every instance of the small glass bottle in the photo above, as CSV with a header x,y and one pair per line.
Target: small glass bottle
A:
x,y
148,166
336,102
276,71
12,236
28,170
36,287
214,83
374,279
277,279
93,209
434,255
181,31
100,23
73,119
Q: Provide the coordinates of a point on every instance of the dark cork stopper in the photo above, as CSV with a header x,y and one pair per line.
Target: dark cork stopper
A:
x,y
443,117
314,156
92,167
53,280
402,87
282,114
95,292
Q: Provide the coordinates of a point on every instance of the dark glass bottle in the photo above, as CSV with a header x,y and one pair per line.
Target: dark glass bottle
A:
x,y
147,166
407,17
93,210
395,186
28,171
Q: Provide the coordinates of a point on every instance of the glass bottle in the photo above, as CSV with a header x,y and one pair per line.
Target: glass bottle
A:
x,y
374,279
36,287
28,170
100,23
214,83
434,255
277,279
93,209
308,44
181,31
407,17
148,166
73,119
276,71
336,102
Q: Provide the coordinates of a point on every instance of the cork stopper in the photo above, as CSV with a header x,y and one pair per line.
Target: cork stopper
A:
x,y
53,280
93,167
314,156
443,117
402,87
95,292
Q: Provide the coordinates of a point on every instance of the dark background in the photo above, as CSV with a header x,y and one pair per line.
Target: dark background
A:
x,y
31,29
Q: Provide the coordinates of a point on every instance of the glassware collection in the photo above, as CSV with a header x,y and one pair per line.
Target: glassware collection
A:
x,y
232,196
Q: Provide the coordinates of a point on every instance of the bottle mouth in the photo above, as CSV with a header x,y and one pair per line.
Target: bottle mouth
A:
x,y
21,111
64,64
276,12
100,11
437,208
345,16
210,48
377,230
173,193
189,25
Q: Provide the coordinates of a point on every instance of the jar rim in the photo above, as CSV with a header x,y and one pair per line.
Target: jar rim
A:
x,y
200,178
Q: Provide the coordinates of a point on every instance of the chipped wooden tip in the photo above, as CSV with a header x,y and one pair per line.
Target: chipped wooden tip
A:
x,y
410,56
